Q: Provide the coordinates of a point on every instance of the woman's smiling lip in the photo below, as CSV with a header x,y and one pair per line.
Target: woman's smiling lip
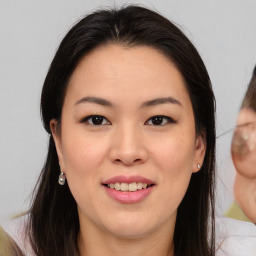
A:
x,y
128,179
128,197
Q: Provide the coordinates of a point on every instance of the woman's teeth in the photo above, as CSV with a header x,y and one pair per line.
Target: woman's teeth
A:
x,y
134,186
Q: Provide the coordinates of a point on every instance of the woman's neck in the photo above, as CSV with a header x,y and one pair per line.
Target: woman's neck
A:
x,y
93,242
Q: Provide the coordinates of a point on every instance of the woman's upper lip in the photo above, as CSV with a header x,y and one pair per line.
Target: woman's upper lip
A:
x,y
127,179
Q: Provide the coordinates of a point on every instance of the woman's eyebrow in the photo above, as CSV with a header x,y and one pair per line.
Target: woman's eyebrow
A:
x,y
153,102
161,101
95,100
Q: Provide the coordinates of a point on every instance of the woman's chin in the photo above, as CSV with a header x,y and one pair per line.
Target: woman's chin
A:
x,y
129,229
131,233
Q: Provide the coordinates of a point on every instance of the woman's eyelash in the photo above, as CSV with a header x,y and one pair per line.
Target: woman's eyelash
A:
x,y
95,120
98,120
160,120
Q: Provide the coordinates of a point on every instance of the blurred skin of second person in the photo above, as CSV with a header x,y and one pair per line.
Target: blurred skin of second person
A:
x,y
243,151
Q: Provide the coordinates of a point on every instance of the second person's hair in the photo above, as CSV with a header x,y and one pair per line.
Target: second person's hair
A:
x,y
250,95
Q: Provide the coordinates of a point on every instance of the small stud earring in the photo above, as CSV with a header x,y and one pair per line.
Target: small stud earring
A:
x,y
198,166
62,178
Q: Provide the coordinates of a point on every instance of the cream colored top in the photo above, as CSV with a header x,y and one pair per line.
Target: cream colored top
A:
x,y
235,237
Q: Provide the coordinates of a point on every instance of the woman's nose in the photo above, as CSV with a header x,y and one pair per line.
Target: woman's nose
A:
x,y
127,147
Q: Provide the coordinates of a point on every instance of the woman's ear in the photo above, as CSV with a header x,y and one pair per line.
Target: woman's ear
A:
x,y
200,149
54,126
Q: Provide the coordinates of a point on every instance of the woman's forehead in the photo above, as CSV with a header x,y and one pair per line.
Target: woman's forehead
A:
x,y
120,72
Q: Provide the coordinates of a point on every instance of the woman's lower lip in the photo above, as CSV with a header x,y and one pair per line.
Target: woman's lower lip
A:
x,y
128,197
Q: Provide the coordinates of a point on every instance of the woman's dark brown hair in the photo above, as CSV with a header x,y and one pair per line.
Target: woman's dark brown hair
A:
x,y
250,95
54,224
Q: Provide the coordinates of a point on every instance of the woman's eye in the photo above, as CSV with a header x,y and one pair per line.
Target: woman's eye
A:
x,y
96,120
159,120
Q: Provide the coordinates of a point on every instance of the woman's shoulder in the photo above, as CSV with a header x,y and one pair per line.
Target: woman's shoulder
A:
x,y
235,237
13,236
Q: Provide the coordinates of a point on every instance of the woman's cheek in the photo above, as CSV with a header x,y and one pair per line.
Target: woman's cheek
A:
x,y
175,155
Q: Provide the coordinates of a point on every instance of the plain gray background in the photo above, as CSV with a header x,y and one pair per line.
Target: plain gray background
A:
x,y
222,30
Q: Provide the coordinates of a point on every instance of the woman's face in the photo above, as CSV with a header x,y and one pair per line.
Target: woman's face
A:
x,y
127,123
